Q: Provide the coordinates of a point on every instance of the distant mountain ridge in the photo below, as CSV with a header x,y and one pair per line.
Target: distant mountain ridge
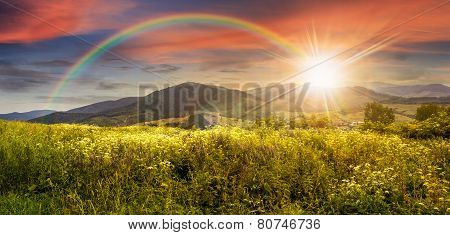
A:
x,y
80,114
430,90
26,115
167,101
184,99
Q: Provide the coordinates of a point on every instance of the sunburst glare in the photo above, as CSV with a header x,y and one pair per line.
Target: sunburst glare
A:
x,y
324,75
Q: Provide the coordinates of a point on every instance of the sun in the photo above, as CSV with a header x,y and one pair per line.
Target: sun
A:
x,y
322,74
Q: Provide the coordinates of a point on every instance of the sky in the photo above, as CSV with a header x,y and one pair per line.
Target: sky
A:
x,y
383,42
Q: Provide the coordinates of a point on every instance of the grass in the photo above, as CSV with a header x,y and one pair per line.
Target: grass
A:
x,y
75,169
406,109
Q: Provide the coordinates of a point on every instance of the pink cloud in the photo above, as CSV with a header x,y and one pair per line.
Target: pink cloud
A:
x,y
30,20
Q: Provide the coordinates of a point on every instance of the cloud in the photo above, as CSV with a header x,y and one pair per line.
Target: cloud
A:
x,y
411,74
14,79
439,47
231,71
285,16
76,99
445,68
52,63
87,80
124,67
163,68
18,84
212,48
334,22
17,72
117,63
25,21
238,59
18,80
175,40
5,62
415,54
105,85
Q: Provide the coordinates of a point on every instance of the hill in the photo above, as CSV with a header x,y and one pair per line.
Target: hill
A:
x,y
83,114
430,90
104,106
26,116
184,99
61,117
316,99
173,102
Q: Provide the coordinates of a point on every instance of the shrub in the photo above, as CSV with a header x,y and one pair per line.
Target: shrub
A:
x,y
427,111
375,112
437,126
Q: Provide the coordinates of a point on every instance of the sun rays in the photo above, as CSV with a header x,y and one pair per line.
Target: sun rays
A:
x,y
327,70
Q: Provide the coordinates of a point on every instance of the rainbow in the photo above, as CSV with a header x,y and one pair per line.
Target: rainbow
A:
x,y
166,21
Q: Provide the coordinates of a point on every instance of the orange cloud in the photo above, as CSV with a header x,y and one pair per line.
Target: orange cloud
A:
x,y
338,25
30,20
163,43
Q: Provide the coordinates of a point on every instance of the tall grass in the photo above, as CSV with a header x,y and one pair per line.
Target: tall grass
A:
x,y
73,169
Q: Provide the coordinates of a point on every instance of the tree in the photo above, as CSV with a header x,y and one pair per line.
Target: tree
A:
x,y
375,112
426,111
319,121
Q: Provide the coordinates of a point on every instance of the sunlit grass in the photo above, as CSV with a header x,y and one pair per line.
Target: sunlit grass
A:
x,y
71,169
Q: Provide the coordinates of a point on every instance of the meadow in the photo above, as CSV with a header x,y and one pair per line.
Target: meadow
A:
x,y
79,169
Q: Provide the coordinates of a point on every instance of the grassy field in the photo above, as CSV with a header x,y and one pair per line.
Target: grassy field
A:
x,y
74,169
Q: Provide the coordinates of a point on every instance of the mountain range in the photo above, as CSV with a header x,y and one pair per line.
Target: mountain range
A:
x,y
429,90
187,98
172,102
25,116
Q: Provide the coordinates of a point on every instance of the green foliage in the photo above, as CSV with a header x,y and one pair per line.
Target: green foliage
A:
x,y
274,122
73,169
375,112
435,126
318,121
313,121
426,111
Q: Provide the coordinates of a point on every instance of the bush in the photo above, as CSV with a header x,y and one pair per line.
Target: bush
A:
x,y
375,112
426,111
436,126
318,121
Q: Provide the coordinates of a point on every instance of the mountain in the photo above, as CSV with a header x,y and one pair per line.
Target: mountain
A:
x,y
373,85
26,116
62,117
430,90
178,101
189,98
82,114
172,102
348,99
419,100
105,105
